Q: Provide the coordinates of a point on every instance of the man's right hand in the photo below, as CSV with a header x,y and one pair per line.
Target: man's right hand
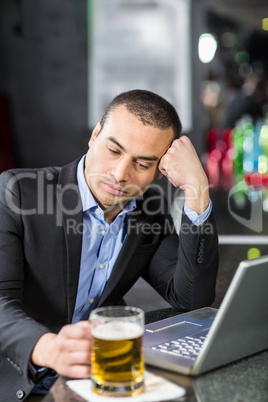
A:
x,y
68,352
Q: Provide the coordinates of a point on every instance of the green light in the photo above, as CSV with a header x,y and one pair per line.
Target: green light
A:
x,y
253,253
242,57
262,164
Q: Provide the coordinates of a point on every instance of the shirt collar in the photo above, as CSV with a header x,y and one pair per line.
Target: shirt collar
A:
x,y
88,201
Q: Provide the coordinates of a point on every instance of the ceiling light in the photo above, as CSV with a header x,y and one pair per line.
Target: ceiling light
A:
x,y
207,47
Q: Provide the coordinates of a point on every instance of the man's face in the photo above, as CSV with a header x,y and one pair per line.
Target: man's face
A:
x,y
122,161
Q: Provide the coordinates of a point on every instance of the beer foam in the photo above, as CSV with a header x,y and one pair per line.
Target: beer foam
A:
x,y
115,331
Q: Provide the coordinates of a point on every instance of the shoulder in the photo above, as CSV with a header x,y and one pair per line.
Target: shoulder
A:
x,y
18,179
30,176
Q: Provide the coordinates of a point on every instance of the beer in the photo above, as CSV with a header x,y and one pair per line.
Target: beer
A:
x,y
117,358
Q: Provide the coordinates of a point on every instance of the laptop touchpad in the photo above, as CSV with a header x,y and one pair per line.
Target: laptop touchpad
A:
x,y
178,326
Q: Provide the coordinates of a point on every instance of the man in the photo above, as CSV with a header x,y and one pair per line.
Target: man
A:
x,y
78,237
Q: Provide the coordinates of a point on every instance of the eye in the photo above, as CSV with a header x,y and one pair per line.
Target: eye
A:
x,y
113,151
140,165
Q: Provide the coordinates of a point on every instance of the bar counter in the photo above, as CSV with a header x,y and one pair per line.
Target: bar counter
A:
x,y
243,381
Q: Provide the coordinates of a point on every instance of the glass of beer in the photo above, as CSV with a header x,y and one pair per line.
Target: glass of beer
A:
x,y
117,356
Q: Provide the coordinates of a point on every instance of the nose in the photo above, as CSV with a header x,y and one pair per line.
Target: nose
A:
x,y
121,170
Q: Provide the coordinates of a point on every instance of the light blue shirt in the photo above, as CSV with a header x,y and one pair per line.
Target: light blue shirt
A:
x,y
101,245
194,217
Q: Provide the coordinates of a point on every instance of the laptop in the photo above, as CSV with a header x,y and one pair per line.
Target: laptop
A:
x,y
204,339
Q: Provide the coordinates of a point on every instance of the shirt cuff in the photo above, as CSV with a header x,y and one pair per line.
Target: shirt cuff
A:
x,y
194,217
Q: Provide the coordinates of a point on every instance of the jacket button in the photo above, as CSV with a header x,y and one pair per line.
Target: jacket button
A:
x,y
20,394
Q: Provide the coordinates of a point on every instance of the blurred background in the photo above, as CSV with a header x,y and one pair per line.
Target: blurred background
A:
x,y
61,62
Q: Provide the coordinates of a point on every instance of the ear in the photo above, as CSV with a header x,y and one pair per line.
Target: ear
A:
x,y
94,134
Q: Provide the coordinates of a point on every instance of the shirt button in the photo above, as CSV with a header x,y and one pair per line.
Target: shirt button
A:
x,y
101,266
103,233
91,301
98,211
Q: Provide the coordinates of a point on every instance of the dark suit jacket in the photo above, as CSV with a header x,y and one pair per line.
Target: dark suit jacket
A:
x,y
40,249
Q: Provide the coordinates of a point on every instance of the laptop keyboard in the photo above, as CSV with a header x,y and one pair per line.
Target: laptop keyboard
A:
x,y
188,347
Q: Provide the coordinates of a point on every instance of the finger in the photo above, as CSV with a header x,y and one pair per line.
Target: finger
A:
x,y
166,169
82,324
162,165
77,357
80,330
168,175
76,371
171,180
65,363
69,345
79,371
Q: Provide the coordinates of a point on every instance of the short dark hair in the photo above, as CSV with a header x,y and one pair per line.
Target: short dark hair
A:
x,y
151,109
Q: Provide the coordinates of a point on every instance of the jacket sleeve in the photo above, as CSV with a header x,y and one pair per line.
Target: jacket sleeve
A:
x,y
18,331
184,268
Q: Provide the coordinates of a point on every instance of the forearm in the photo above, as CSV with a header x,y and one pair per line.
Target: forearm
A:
x,y
196,271
184,268
18,335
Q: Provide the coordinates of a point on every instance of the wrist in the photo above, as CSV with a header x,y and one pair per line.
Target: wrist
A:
x,y
42,353
197,199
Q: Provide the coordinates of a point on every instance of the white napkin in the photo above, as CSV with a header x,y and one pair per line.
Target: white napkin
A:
x,y
156,389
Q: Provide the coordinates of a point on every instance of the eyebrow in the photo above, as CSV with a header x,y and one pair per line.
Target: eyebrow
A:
x,y
145,158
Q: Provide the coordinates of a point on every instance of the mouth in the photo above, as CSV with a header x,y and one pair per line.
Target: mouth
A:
x,y
112,189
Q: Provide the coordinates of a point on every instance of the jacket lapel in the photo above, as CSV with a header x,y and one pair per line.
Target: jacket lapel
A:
x,y
70,211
